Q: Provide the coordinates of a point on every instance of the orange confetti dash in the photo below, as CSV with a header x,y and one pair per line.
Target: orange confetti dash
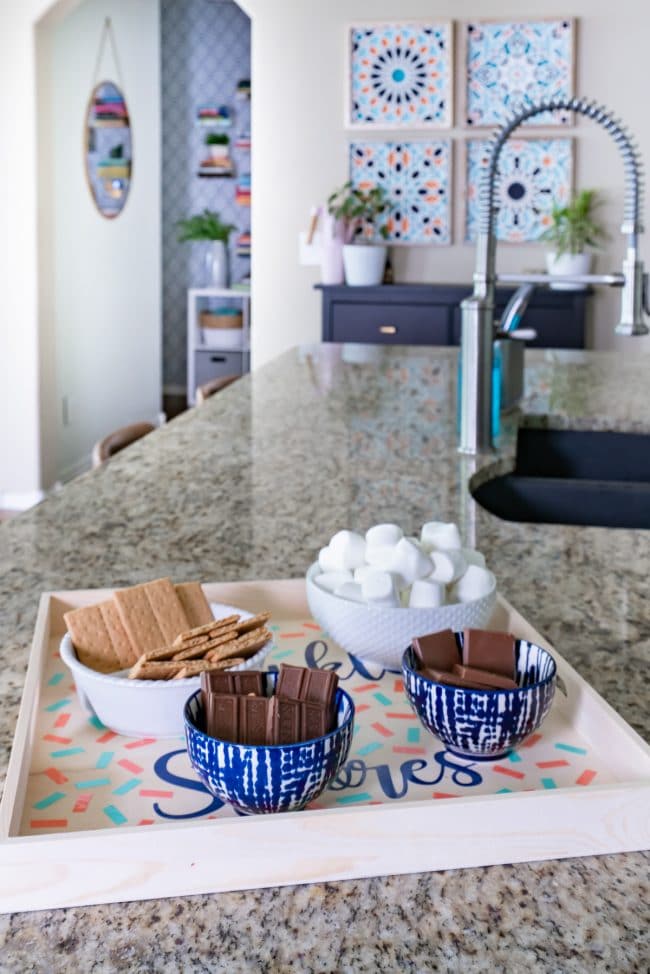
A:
x,y
508,771
443,794
56,739
130,766
552,764
142,743
532,740
62,720
360,707
291,635
155,793
149,821
82,803
48,823
311,625
394,716
108,736
383,730
409,750
366,686
56,776
586,777
398,686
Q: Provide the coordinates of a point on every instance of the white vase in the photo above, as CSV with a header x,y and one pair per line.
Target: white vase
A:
x,y
364,263
567,264
216,264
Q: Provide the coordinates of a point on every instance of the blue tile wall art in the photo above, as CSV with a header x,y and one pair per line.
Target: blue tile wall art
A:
x,y
400,75
511,64
534,174
417,179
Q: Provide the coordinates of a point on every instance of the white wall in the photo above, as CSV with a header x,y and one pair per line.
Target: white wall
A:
x,y
300,144
100,313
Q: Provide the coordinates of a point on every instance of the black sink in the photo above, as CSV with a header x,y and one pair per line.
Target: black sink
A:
x,y
574,477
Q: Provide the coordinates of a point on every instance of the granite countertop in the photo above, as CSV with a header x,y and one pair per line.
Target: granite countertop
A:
x,y
251,485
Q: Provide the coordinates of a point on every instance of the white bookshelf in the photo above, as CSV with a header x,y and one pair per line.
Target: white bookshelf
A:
x,y
211,361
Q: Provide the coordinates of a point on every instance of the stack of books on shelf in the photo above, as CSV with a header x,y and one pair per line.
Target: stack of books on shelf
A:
x,y
110,112
243,244
243,141
244,88
214,117
243,189
108,169
244,285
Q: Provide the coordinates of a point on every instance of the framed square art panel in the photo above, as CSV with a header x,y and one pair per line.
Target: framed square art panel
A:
x,y
417,178
510,64
534,175
400,75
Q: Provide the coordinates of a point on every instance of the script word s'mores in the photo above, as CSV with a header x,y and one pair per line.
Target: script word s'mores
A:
x,y
475,659
162,631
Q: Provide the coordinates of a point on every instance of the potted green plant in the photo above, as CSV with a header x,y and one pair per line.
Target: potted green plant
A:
x,y
573,234
218,143
207,226
359,210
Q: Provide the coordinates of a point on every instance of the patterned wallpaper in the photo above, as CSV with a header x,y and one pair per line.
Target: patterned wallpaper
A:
x,y
205,50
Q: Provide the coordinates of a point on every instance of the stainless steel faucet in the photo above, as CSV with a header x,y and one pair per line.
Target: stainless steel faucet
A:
x,y
477,311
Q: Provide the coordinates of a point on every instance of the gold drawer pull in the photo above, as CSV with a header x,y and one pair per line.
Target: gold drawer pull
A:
x,y
387,330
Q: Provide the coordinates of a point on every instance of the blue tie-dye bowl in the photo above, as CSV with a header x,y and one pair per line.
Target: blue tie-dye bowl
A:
x,y
485,724
258,779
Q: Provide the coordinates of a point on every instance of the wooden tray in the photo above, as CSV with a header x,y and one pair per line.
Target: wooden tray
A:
x,y
579,787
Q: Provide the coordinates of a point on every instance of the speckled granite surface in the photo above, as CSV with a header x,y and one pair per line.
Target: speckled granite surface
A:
x,y
251,485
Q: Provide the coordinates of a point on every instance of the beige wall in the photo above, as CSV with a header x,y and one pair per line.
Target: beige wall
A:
x,y
300,144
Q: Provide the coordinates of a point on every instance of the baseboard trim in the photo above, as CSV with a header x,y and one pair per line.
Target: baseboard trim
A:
x,y
17,501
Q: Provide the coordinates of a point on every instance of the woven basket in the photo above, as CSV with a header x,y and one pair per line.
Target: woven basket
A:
x,y
211,319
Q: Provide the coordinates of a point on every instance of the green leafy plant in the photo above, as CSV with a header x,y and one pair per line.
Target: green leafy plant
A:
x,y
204,226
573,227
359,209
217,138
117,152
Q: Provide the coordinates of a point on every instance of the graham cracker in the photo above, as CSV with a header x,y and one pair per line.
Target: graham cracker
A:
x,y
152,614
193,652
222,665
126,652
91,639
246,625
171,669
207,628
194,602
245,646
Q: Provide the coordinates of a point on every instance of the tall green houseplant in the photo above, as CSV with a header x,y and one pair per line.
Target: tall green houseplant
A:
x,y
573,227
204,226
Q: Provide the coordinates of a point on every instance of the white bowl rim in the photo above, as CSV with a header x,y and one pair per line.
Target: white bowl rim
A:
x,y
315,567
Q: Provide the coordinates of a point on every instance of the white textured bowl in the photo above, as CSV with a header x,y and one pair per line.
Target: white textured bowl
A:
x,y
381,635
143,708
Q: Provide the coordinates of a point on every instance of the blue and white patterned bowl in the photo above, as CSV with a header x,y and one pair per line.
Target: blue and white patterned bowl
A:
x,y
485,724
268,778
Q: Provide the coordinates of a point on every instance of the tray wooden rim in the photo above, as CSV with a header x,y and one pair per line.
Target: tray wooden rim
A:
x,y
47,871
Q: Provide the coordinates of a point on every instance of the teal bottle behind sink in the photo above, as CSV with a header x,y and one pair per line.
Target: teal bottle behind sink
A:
x,y
496,392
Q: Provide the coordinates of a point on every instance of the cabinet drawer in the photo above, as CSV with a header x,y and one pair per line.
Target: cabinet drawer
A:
x,y
393,324
214,365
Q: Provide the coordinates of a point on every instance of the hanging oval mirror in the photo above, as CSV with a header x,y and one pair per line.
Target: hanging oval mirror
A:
x,y
108,149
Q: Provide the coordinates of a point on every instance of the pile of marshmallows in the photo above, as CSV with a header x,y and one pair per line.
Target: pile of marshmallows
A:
x,y
388,569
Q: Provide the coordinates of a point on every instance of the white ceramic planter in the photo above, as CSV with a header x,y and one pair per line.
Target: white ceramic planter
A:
x,y
216,263
364,263
568,264
218,151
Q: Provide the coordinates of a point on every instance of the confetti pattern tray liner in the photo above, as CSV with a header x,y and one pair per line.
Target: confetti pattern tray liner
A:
x,y
579,786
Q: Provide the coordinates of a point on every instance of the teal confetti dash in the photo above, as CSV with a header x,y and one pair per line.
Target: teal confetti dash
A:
x,y
92,783
369,748
104,759
383,699
52,682
67,752
96,722
364,796
115,815
274,628
281,655
571,748
504,791
548,783
127,786
514,757
49,800
413,735
58,704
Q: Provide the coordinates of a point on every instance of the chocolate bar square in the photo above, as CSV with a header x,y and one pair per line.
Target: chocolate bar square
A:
x,y
492,651
301,683
437,650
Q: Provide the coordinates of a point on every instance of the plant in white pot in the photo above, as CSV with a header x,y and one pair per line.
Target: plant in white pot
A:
x,y
208,226
572,235
364,260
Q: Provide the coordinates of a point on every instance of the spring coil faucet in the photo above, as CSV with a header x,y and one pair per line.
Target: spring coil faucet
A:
x,y
477,311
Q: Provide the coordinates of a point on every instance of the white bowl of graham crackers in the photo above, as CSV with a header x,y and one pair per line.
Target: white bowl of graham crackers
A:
x,y
137,657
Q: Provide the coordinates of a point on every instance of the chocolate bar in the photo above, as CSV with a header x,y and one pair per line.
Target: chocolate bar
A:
x,y
301,683
492,651
242,720
290,721
453,680
245,682
437,650
484,676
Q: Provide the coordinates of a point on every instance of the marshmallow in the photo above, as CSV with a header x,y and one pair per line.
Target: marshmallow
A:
x,y
351,591
380,556
330,581
426,594
474,584
447,566
349,550
438,534
379,588
409,562
361,572
327,560
387,534
473,557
